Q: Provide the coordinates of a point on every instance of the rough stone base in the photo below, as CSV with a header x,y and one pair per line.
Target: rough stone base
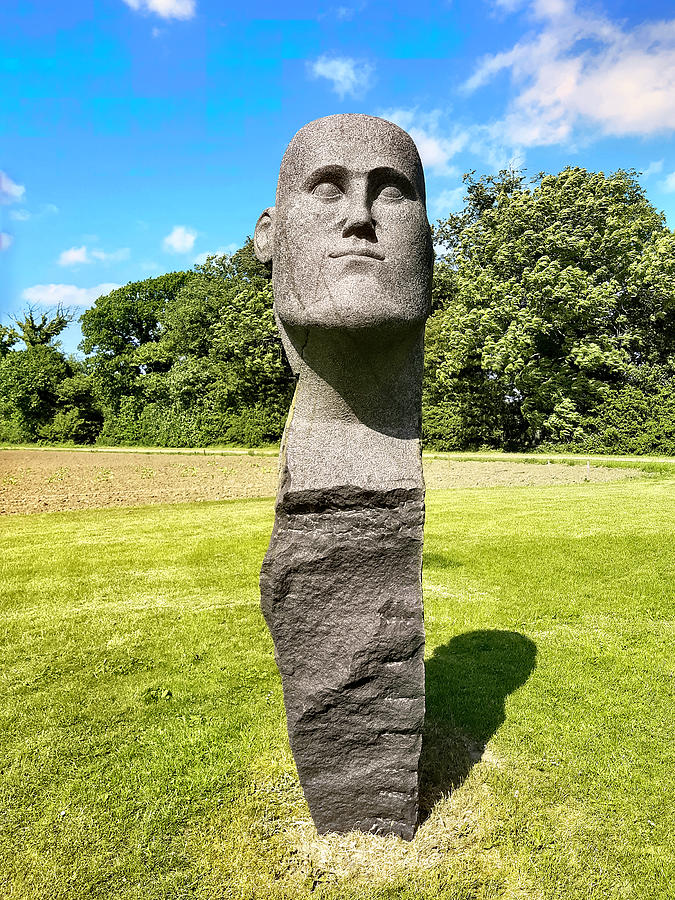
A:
x,y
342,596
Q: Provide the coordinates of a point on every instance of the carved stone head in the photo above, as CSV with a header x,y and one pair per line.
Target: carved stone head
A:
x,y
348,239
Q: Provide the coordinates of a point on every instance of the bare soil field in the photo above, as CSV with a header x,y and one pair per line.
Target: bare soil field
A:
x,y
453,473
48,480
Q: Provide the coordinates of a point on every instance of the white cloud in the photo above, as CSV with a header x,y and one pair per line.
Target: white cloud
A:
x,y
76,256
6,241
436,150
440,141
66,294
654,168
10,191
228,248
179,240
668,183
166,9
73,257
582,70
540,8
349,77
24,215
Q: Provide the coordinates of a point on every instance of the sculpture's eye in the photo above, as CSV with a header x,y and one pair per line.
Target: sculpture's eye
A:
x,y
390,193
327,190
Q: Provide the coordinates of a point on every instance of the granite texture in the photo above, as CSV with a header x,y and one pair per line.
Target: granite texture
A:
x,y
341,591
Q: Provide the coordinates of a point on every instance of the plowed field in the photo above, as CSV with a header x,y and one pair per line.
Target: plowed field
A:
x,y
48,480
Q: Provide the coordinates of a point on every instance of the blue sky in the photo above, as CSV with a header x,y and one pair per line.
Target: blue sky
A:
x,y
138,135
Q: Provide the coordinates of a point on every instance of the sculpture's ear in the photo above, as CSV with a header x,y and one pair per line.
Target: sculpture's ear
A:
x,y
263,237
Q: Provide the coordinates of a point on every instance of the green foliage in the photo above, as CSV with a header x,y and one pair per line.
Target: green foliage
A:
x,y
228,380
236,342
122,332
30,381
42,332
8,338
129,317
13,428
637,418
162,425
548,297
43,394
79,417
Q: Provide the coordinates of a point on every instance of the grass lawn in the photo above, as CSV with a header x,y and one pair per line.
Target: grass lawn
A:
x,y
143,751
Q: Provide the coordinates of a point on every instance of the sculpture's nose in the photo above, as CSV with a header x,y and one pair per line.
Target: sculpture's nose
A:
x,y
359,222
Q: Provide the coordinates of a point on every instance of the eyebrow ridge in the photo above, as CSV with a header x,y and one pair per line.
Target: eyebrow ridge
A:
x,y
315,177
338,171
382,172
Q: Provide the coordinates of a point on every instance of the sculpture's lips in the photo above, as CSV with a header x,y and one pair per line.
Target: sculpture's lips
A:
x,y
358,251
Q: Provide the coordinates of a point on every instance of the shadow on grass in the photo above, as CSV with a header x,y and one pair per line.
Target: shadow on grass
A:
x,y
436,560
467,683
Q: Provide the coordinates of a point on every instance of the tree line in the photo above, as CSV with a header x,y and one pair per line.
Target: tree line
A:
x,y
553,326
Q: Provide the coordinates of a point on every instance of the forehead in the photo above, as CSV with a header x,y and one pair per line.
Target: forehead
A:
x,y
354,142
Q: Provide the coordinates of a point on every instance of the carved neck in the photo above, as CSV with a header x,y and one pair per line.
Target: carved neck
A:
x,y
356,416
373,380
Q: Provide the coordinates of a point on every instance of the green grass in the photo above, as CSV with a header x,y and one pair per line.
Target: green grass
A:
x,y
223,450
143,751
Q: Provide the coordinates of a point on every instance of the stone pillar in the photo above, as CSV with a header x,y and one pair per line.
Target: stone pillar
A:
x,y
341,587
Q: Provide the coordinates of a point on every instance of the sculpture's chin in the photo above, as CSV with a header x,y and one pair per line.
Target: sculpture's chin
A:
x,y
354,307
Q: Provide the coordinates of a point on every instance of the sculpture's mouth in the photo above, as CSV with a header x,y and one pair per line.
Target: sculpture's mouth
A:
x,y
358,251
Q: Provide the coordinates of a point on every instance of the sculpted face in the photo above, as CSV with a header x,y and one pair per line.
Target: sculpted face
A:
x,y
349,239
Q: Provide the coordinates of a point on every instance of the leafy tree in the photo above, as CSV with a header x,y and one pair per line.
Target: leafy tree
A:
x,y
30,377
44,395
251,380
130,316
42,332
79,417
192,316
122,333
8,338
227,379
549,295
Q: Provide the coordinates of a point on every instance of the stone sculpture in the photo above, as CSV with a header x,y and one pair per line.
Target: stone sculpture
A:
x,y
341,590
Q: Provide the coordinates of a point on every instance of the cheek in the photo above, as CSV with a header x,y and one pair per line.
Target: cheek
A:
x,y
307,224
298,253
403,222
407,236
